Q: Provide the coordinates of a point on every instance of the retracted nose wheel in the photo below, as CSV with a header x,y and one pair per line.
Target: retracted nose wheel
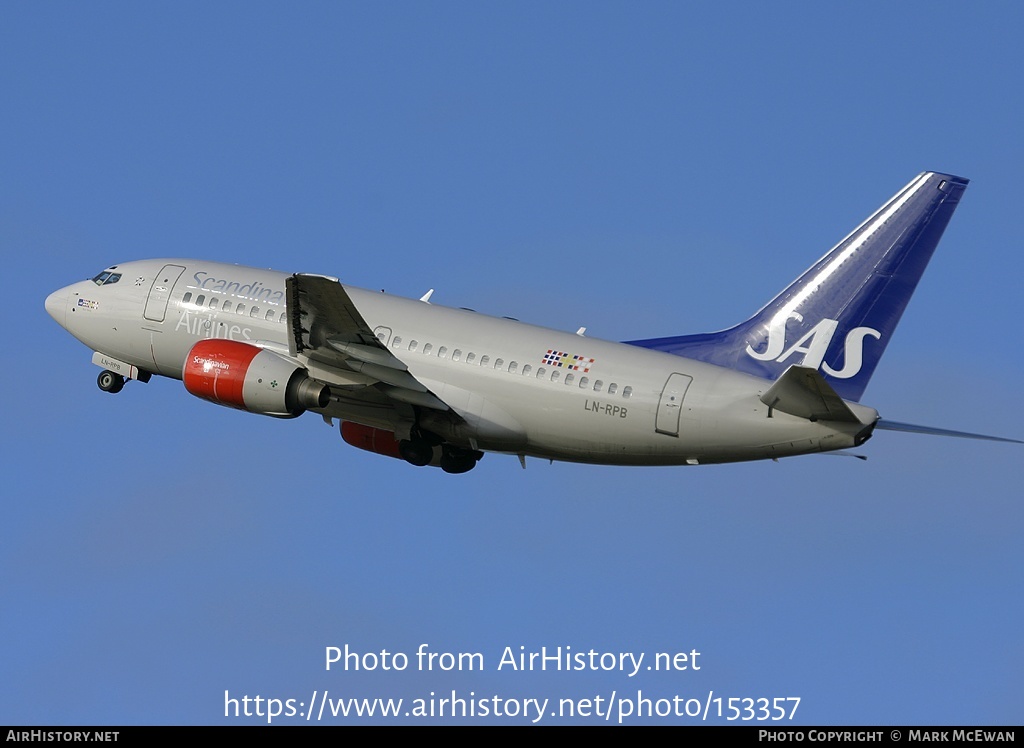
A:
x,y
110,382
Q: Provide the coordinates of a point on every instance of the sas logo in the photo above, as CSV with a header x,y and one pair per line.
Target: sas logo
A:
x,y
814,344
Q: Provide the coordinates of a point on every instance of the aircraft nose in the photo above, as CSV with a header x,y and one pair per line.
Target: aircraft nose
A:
x,y
57,305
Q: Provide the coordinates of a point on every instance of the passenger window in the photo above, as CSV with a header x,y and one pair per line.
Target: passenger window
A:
x,y
555,375
396,342
186,298
569,378
541,371
627,391
612,387
427,347
270,315
498,363
254,312
527,369
584,381
213,303
456,355
598,385
412,345
200,300
240,309
470,357
227,306
512,367
484,360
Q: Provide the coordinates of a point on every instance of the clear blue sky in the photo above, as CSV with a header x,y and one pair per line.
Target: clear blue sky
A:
x,y
643,170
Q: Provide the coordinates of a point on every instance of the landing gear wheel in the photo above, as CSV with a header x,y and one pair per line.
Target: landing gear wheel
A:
x,y
456,465
417,453
455,461
110,382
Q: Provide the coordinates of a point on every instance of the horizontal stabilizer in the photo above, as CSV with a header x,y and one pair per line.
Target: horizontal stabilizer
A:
x,y
803,392
915,429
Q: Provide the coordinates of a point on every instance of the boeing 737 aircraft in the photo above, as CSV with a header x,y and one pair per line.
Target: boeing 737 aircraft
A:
x,y
440,386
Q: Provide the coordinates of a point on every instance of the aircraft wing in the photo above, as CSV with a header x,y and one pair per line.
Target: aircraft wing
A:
x,y
326,329
320,307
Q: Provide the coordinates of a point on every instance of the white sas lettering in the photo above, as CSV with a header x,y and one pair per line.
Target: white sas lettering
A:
x,y
820,336
854,352
814,344
776,337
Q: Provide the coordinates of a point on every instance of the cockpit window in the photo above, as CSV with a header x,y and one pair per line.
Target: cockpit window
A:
x,y
106,277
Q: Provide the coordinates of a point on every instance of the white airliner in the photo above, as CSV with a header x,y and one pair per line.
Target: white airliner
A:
x,y
440,386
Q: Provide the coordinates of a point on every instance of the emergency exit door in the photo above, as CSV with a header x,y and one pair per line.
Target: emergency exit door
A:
x,y
670,406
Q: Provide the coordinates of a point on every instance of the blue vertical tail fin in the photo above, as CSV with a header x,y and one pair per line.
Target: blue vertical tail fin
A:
x,y
839,315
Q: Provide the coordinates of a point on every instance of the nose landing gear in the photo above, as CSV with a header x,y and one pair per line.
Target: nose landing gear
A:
x,y
109,381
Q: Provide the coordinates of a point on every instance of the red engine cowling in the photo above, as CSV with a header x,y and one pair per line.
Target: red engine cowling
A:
x,y
372,440
243,376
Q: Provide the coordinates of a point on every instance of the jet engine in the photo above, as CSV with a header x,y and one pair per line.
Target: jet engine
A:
x,y
239,375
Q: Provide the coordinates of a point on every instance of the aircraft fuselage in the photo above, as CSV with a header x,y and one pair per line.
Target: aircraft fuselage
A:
x,y
520,388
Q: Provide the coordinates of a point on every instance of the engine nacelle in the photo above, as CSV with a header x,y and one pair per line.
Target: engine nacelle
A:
x,y
243,376
371,439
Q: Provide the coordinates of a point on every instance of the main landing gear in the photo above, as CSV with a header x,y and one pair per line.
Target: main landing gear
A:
x,y
457,460
416,452
109,381
419,451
